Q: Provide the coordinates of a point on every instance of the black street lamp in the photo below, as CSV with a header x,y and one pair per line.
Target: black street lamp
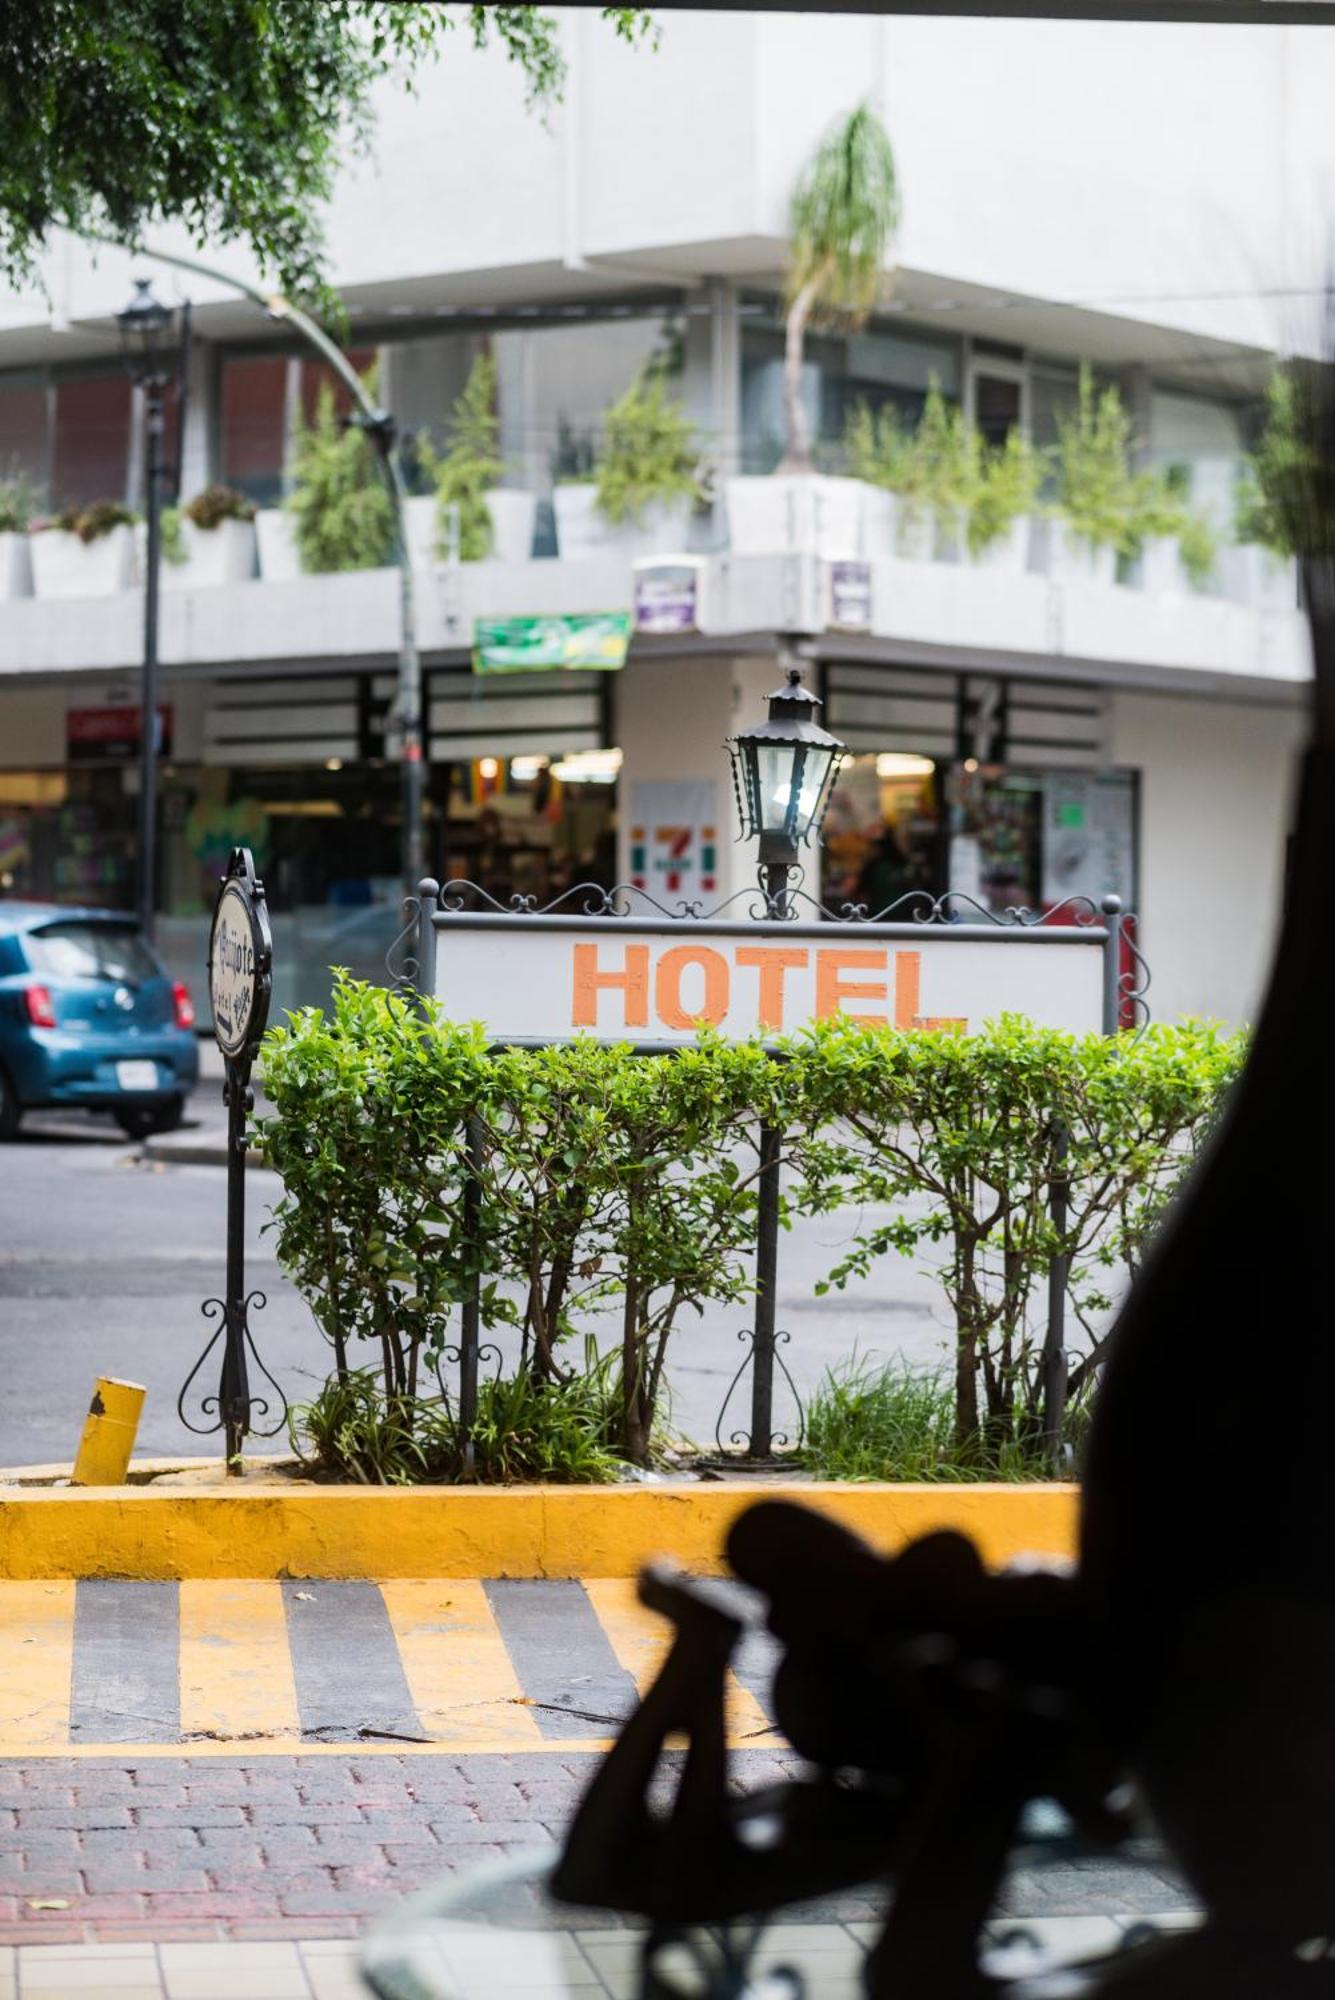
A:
x,y
784,771
147,329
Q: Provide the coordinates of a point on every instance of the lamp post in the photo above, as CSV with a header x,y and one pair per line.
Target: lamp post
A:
x,y
784,771
146,329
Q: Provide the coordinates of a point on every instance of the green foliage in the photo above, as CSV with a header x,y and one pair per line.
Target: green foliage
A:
x,y
649,452
16,508
1006,489
624,1187
887,1421
525,1430
470,466
1159,506
965,1138
216,504
1094,488
229,116
1277,494
173,541
878,448
343,511
843,213
91,523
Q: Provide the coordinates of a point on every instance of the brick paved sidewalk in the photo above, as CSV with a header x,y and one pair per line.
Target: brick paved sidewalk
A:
x,y
314,1847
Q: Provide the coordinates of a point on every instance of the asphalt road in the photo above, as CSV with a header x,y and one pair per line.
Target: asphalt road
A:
x,y
105,1261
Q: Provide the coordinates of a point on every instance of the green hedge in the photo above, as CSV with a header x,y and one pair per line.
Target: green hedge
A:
x,y
624,1186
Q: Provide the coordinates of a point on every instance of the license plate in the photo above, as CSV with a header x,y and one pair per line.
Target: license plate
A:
x,y
137,1075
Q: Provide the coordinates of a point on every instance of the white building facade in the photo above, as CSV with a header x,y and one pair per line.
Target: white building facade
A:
x,y
1132,198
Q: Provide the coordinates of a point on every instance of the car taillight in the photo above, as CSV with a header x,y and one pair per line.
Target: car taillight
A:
x,y
185,1006
41,1007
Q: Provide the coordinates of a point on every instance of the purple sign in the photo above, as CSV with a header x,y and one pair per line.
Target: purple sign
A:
x,y
667,598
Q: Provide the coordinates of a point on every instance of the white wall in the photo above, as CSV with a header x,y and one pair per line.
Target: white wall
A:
x,y
1160,172
1216,787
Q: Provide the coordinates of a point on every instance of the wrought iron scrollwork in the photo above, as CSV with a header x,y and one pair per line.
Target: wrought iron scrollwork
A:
x,y
402,965
778,1439
243,1407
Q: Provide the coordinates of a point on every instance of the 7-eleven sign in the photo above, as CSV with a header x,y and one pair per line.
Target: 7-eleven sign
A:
x,y
674,853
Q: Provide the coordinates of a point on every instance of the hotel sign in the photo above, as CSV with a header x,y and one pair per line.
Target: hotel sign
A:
x,y
547,979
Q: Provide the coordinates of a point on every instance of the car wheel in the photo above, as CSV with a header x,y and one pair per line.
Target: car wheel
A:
x,y
138,1121
11,1112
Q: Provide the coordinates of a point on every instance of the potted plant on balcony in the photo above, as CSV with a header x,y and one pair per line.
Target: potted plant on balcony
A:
x,y
1260,567
1173,548
844,212
493,520
338,515
645,484
83,552
1004,500
15,514
1091,520
943,473
209,541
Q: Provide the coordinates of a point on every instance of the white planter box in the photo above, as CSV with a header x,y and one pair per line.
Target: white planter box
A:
x,y
1251,575
797,513
1067,559
663,529
879,534
950,535
513,515
63,566
276,535
213,556
1159,568
1009,552
420,530
15,568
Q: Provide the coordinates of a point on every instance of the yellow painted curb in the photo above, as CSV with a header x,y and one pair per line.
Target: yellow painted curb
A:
x,y
535,1531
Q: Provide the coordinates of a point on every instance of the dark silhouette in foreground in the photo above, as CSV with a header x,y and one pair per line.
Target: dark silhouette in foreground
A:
x,y
1188,1663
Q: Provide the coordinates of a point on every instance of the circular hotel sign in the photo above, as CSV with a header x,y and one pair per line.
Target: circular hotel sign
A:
x,y
239,959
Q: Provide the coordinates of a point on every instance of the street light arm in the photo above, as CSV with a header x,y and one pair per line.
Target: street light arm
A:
x,y
375,420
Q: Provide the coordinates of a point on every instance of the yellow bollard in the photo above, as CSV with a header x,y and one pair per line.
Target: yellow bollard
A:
x,y
108,1433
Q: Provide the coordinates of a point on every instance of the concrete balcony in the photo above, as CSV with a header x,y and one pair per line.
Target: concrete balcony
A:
x,y
930,612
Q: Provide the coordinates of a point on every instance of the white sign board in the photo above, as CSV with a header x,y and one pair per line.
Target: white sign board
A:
x,y
548,979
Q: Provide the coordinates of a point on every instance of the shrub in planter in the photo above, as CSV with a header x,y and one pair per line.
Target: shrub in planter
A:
x,y
1173,547
471,465
1004,498
943,475
84,551
209,541
646,479
343,514
1094,496
1271,498
964,1138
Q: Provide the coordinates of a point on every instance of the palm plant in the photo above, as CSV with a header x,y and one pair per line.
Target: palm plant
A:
x,y
845,210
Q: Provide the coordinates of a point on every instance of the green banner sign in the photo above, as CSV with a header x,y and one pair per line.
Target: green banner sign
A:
x,y
524,645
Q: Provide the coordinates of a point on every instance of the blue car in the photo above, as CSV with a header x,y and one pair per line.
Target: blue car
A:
x,y
90,1018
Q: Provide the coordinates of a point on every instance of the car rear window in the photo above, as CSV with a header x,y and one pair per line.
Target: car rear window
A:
x,y
92,951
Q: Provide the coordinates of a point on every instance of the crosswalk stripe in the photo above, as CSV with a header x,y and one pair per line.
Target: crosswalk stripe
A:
x,y
36,1662
562,1655
350,1680
431,1664
640,1639
458,1670
236,1665
125,1680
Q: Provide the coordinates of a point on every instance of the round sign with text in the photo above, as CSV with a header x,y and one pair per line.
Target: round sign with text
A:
x,y
238,970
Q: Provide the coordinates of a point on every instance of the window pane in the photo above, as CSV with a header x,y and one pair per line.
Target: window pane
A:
x,y
254,392
92,440
24,443
91,951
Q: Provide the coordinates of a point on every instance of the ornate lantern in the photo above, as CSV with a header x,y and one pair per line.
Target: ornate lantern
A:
x,y
784,772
